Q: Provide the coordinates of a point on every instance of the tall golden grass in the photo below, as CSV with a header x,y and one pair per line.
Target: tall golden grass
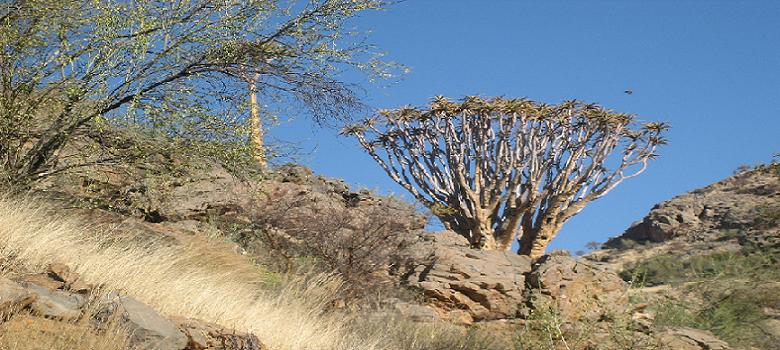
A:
x,y
194,280
24,332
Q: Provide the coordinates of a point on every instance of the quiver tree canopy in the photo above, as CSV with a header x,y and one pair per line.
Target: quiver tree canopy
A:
x,y
495,170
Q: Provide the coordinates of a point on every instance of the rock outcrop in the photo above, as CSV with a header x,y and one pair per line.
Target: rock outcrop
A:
x,y
56,303
705,214
206,336
691,339
148,329
576,288
466,285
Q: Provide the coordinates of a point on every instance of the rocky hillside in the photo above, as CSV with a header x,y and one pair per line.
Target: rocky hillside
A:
x,y
742,211
200,258
709,259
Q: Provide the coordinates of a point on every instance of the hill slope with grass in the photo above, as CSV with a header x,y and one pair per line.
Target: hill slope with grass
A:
x,y
710,259
182,253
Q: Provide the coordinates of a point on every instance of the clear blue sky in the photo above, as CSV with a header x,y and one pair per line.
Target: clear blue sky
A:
x,y
709,68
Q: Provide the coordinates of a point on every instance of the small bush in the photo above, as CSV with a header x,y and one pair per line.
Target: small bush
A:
x,y
734,315
768,216
402,334
361,243
546,329
665,269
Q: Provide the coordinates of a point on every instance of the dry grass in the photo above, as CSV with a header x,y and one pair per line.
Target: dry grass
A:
x,y
190,281
25,332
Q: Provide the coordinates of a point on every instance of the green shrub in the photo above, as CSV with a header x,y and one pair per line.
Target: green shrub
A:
x,y
768,216
733,288
665,269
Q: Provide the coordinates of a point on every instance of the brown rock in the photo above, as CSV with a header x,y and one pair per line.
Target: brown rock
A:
x,y
485,285
732,203
13,297
62,272
579,289
43,280
691,339
71,280
202,336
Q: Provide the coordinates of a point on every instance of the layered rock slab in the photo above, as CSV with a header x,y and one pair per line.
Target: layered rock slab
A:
x,y
466,285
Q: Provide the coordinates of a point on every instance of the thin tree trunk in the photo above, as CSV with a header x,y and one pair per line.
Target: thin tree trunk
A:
x,y
534,242
257,132
483,234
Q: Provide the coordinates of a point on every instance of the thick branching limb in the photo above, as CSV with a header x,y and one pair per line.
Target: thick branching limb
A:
x,y
498,170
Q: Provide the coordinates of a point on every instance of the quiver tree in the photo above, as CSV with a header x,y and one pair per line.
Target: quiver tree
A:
x,y
503,169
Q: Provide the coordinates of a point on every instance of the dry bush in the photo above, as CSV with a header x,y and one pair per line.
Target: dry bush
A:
x,y
178,280
546,329
361,243
398,333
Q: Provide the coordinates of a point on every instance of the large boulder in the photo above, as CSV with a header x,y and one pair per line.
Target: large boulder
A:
x,y
467,285
148,329
577,289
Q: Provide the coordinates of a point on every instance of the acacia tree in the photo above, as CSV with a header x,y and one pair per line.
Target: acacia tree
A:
x,y
495,170
175,67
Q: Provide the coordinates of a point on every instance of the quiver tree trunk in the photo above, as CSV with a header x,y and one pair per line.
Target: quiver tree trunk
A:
x,y
498,170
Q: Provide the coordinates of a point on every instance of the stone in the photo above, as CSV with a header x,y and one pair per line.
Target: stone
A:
x,y
55,303
72,281
684,338
62,273
43,280
202,336
466,285
13,297
214,191
149,330
577,288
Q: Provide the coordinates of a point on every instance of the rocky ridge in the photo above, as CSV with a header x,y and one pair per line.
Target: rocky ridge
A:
x,y
458,284
726,216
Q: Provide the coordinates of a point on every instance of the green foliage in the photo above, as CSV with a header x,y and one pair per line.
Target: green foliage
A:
x,y
734,289
734,314
664,269
177,70
768,216
545,329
